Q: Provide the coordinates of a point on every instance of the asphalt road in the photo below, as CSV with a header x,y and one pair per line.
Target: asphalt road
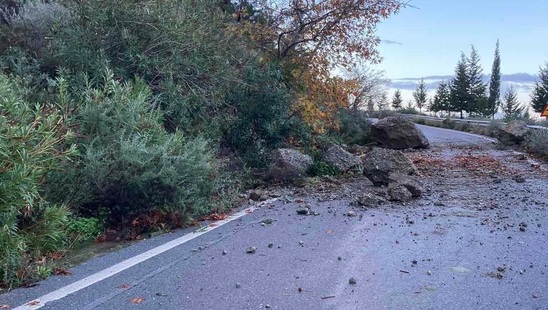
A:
x,y
423,255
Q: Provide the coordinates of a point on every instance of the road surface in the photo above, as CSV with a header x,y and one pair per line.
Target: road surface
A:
x,y
470,243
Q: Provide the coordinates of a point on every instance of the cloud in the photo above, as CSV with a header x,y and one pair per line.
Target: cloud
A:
x,y
391,42
522,81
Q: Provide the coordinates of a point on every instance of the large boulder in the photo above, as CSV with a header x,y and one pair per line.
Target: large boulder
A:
x,y
513,132
380,162
288,165
340,158
397,132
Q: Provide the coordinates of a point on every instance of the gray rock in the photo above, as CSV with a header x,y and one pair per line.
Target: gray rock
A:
x,y
399,193
340,158
514,132
379,163
410,182
288,165
369,200
397,132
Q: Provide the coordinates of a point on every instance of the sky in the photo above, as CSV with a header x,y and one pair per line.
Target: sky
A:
x,y
427,39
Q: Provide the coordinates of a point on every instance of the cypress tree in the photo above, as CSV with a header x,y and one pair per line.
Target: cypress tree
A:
x,y
421,95
494,85
539,97
397,101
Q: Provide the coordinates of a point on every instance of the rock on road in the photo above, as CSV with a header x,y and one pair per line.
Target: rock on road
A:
x,y
476,240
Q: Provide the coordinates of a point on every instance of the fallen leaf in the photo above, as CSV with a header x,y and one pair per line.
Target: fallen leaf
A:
x,y
124,286
61,272
212,225
56,255
330,231
137,300
248,211
4,306
33,303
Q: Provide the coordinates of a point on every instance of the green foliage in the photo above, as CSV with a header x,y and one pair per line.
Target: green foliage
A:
x,y
409,110
421,95
128,163
354,127
397,101
82,229
493,102
449,123
30,227
511,107
539,96
442,98
261,117
537,142
182,49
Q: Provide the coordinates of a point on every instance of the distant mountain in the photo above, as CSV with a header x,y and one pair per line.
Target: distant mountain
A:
x,y
523,81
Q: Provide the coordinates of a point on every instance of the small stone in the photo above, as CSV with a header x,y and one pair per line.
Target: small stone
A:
x,y
267,306
251,250
428,272
350,213
521,228
225,252
302,211
339,258
270,245
352,281
414,262
300,289
238,285
301,243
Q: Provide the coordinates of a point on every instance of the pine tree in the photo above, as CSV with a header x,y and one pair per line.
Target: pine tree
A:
x,y
511,107
396,100
477,102
539,97
493,102
421,95
442,98
459,87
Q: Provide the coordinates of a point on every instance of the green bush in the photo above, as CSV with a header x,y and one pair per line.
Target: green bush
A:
x,y
354,127
449,123
261,115
30,227
128,164
182,49
537,142
82,229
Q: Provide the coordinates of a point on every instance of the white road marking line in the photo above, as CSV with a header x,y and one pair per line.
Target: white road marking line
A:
x,y
130,262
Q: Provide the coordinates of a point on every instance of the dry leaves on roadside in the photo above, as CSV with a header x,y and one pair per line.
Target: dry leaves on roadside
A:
x,y
33,303
124,286
137,300
4,306
61,272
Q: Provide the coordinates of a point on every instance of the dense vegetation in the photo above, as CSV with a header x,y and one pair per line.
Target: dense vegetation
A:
x,y
115,113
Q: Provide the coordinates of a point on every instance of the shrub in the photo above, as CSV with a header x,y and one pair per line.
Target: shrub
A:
x,y
261,115
537,142
354,127
449,123
182,49
30,227
82,229
32,24
128,164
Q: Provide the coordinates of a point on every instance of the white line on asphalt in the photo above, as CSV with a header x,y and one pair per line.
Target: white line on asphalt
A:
x,y
130,262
